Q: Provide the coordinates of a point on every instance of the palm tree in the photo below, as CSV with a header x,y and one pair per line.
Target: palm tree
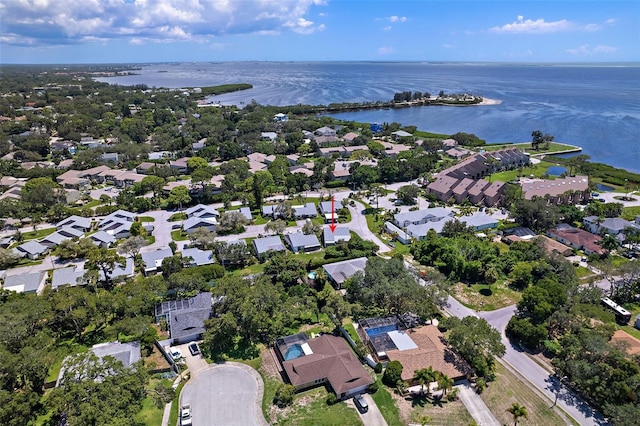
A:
x,y
425,376
445,383
517,411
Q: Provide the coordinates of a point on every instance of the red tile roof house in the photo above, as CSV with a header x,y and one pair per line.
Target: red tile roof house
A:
x,y
324,360
579,239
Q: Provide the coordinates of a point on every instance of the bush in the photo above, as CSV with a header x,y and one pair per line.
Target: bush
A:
x,y
392,373
284,395
331,399
480,385
373,387
378,368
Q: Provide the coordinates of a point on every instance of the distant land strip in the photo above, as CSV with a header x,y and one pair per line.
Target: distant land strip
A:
x,y
224,88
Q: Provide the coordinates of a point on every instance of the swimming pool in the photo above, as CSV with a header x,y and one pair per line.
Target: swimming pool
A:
x,y
381,330
293,352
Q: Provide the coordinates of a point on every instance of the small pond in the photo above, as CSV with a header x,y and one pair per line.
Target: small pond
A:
x,y
556,170
605,188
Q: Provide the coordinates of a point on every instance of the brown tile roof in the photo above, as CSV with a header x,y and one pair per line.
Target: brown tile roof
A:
x,y
542,187
578,237
432,352
333,360
552,245
443,184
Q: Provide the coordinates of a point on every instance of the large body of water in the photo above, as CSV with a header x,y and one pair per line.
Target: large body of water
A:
x,y
594,106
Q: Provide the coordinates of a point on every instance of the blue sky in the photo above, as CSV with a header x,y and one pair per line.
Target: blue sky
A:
x,y
101,31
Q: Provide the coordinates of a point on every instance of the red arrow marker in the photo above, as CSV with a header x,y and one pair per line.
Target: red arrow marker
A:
x,y
333,218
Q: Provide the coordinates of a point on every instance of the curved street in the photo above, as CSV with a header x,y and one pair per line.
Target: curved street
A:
x,y
531,370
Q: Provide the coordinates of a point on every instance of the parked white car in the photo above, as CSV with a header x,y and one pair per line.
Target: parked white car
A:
x,y
175,353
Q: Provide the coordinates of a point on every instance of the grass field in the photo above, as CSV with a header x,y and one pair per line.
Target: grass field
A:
x,y
535,169
177,235
40,233
507,389
526,147
630,213
484,297
385,402
311,408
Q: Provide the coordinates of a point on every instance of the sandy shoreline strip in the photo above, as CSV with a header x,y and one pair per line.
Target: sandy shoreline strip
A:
x,y
487,101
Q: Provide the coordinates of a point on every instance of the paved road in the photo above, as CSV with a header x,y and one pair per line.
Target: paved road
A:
x,y
609,197
227,394
533,372
358,224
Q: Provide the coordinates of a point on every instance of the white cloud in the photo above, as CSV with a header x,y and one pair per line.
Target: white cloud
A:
x,y
395,18
586,50
448,46
70,21
540,26
387,28
522,25
385,50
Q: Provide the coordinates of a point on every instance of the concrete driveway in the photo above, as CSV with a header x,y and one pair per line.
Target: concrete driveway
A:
x,y
373,417
226,394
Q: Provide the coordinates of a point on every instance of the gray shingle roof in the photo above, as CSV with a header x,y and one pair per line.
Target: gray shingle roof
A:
x,y
25,283
153,260
265,244
340,271
340,234
298,239
66,276
32,247
200,257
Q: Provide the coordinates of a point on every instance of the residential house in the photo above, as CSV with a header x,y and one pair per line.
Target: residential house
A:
x,y
423,216
193,223
246,212
569,190
54,239
397,233
476,191
31,249
117,223
67,277
120,271
401,135
479,221
185,318
103,239
299,242
270,136
458,153
555,246
82,224
305,212
493,193
110,157
153,260
461,190
202,211
127,353
265,245
32,283
340,233
145,167
280,117
609,225
197,146
179,165
350,137
159,155
65,164
326,132
324,360
197,257
393,149
578,239
442,187
339,272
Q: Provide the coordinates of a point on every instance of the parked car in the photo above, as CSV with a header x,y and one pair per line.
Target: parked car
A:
x,y
361,403
194,349
175,353
185,415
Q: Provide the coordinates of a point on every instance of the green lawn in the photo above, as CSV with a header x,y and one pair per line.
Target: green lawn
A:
x,y
526,146
484,297
175,405
176,217
386,404
177,235
146,219
535,169
150,414
40,233
630,213
310,408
